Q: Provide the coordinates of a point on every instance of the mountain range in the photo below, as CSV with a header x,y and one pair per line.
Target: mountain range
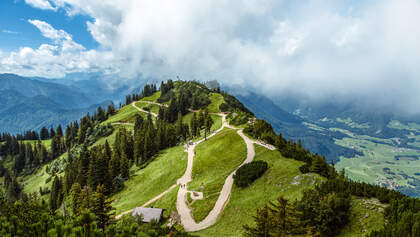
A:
x,y
30,103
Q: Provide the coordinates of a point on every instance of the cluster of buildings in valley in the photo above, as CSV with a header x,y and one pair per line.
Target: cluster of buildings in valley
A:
x,y
387,183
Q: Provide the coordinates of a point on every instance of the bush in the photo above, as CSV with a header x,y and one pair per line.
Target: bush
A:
x,y
248,173
165,97
224,107
238,118
305,168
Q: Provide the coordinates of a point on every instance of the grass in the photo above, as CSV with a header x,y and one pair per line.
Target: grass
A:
x,y
366,215
110,138
282,178
216,100
167,202
215,159
152,180
125,114
152,108
46,143
32,183
153,97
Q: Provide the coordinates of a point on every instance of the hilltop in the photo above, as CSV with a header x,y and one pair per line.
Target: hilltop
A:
x,y
177,148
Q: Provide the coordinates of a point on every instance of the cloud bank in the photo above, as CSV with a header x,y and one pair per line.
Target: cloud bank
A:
x,y
314,49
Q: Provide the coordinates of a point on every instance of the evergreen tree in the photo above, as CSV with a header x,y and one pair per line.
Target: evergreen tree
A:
x,y
262,228
114,165
102,208
76,198
44,133
111,110
52,132
208,122
83,166
277,219
59,131
125,168
100,115
138,122
193,126
56,194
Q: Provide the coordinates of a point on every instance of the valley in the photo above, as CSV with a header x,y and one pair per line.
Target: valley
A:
x,y
390,161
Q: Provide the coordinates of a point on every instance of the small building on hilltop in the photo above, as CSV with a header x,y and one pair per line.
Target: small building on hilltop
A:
x,y
148,214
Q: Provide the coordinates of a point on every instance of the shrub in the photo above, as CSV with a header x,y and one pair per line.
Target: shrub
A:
x,y
165,97
248,173
224,107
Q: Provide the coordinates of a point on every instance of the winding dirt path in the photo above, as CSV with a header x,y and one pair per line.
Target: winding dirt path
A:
x,y
183,210
142,110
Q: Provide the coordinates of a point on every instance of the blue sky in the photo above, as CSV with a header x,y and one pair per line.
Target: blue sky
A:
x,y
16,31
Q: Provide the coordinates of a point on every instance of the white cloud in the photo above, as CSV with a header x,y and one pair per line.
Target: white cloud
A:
x,y
41,4
314,48
57,59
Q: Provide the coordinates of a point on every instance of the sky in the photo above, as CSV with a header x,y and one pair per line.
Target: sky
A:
x,y
313,49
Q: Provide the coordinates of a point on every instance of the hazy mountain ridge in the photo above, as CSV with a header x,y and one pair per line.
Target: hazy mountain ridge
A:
x,y
293,127
31,103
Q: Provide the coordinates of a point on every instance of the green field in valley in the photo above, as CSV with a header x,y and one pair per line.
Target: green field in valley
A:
x,y
384,161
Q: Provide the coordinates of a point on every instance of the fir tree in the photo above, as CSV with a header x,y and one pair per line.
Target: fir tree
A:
x,y
44,134
102,208
59,131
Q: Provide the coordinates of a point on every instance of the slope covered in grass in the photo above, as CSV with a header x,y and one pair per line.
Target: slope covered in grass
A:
x,y
215,159
153,97
125,114
282,178
216,100
366,215
40,178
46,143
148,107
152,180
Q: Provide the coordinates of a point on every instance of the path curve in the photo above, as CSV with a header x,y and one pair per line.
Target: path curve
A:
x,y
184,211
142,110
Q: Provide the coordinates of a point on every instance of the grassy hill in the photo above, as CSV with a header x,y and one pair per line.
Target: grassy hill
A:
x,y
215,159
282,178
